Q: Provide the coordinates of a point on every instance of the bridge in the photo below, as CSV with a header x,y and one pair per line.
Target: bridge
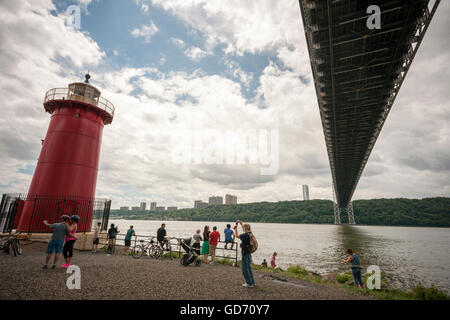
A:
x,y
358,69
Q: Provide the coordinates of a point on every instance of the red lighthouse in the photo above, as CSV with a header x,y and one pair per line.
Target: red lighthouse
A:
x,y
66,173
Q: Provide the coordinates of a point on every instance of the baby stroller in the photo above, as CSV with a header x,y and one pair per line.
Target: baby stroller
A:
x,y
192,254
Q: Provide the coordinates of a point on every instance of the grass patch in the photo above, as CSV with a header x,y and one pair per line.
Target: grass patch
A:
x,y
343,277
418,293
432,293
224,261
297,270
175,254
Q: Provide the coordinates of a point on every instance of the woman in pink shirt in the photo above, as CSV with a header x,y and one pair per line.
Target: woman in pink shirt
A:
x,y
70,239
272,262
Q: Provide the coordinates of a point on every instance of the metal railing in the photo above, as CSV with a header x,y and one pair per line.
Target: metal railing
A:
x,y
174,242
30,210
63,94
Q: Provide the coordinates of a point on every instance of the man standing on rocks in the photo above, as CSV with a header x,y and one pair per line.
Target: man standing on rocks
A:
x,y
56,242
246,262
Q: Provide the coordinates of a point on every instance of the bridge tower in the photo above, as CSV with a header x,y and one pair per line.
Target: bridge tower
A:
x,y
337,209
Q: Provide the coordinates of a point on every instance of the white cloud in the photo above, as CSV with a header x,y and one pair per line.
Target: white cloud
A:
x,y
410,158
146,32
236,71
38,53
178,42
195,53
144,8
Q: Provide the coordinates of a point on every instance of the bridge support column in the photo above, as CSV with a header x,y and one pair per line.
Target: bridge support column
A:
x,y
351,216
337,209
337,213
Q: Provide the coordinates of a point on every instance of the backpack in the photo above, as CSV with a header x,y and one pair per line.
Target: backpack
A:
x,y
253,243
112,232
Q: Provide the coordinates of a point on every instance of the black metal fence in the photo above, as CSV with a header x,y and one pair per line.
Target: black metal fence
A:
x,y
26,213
175,246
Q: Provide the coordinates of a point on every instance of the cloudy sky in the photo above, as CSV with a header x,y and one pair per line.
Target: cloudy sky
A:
x,y
177,69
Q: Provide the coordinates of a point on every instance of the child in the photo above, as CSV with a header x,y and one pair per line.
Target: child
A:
x,y
272,262
264,263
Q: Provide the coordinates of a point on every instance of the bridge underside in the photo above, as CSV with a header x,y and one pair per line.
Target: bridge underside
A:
x,y
357,74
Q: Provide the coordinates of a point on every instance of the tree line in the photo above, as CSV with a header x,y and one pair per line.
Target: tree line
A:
x,y
427,212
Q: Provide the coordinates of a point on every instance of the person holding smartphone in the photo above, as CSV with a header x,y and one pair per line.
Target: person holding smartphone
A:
x,y
246,262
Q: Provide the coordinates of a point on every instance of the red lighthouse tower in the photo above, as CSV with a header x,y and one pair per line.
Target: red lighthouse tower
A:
x,y
66,173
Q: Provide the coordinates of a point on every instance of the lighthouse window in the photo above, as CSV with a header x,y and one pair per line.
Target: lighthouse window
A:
x,y
89,92
80,90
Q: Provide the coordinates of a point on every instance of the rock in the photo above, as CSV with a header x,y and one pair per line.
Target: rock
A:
x,y
330,277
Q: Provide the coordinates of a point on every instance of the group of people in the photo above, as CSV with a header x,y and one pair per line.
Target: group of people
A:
x,y
63,239
208,248
211,239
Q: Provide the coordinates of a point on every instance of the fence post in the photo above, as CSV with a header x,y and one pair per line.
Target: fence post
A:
x,y
32,214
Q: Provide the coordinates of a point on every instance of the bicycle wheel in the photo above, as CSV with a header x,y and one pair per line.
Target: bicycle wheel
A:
x,y
137,251
154,251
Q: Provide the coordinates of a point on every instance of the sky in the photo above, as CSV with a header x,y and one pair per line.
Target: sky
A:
x,y
186,75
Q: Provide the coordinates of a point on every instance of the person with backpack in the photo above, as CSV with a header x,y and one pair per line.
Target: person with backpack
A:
x,y
112,234
248,245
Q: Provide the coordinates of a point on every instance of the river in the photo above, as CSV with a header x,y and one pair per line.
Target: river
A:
x,y
407,255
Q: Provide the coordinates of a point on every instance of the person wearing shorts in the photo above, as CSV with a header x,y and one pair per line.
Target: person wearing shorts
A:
x,y
96,237
214,238
229,236
57,240
205,245
112,234
128,236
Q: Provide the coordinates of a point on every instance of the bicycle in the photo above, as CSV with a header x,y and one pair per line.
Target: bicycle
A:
x,y
12,242
154,250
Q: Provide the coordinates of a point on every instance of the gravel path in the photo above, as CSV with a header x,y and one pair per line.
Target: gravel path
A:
x,y
123,277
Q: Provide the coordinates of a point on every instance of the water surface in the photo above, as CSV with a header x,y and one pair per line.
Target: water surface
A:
x,y
407,255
